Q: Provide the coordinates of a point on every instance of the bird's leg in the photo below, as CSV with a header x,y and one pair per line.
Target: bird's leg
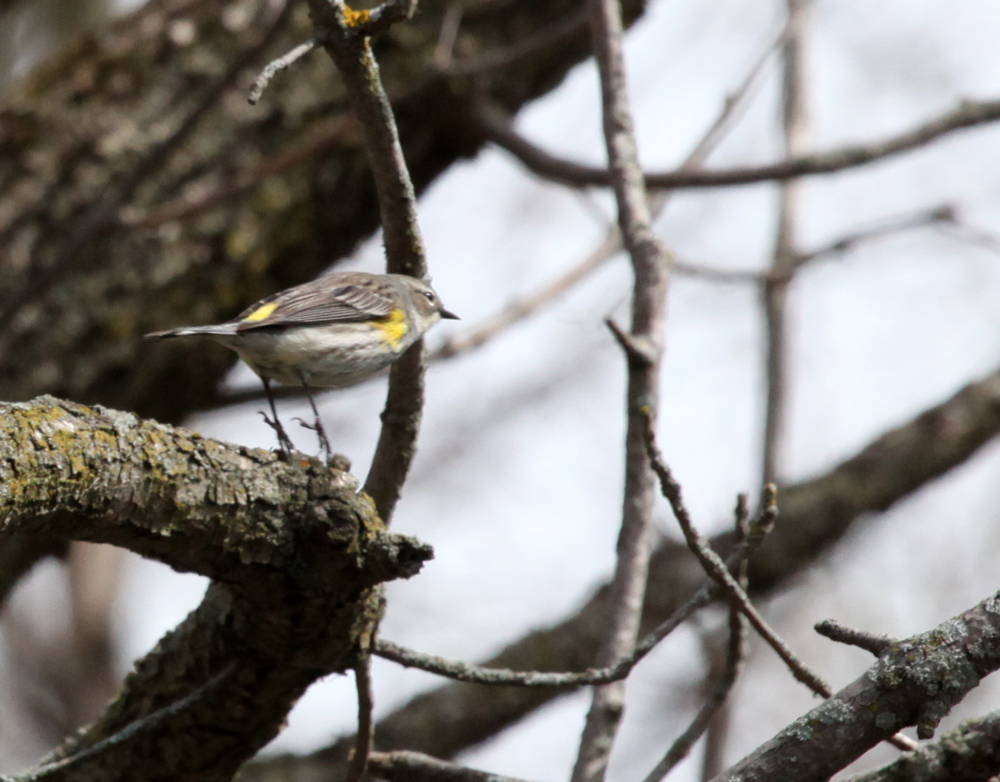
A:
x,y
317,427
284,441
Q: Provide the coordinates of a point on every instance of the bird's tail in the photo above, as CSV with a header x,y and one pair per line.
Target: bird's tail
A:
x,y
220,330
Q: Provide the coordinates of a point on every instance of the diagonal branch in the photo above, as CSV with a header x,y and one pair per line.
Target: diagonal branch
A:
x,y
344,34
916,682
294,553
967,114
970,753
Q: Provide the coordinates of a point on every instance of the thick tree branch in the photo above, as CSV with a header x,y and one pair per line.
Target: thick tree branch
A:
x,y
968,114
293,550
916,682
970,753
815,515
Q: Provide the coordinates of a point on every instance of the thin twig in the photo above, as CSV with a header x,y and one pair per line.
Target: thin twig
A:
x,y
409,766
445,49
718,571
502,58
966,115
705,594
651,268
943,214
876,644
365,738
719,691
58,768
277,65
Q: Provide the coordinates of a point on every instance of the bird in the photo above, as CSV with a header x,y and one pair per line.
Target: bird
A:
x,y
332,332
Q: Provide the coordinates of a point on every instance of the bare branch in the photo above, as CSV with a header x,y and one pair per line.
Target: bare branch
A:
x,y
717,570
968,114
719,691
876,644
651,269
344,35
365,738
707,593
916,682
409,766
970,753
276,66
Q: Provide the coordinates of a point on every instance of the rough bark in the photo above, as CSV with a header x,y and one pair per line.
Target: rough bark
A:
x,y
295,554
139,190
915,683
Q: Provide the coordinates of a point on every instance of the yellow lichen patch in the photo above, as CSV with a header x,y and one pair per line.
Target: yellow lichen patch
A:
x,y
354,18
393,328
260,313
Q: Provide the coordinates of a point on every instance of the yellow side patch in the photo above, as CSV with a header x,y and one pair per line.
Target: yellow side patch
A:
x,y
356,18
393,328
260,313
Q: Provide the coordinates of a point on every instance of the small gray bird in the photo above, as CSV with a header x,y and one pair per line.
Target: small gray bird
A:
x,y
332,332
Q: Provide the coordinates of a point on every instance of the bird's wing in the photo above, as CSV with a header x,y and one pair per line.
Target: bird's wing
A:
x,y
319,302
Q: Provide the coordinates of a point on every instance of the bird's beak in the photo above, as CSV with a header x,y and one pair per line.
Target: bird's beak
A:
x,y
448,315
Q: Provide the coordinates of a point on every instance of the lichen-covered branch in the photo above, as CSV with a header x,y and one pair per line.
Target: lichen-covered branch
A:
x,y
916,682
970,753
293,550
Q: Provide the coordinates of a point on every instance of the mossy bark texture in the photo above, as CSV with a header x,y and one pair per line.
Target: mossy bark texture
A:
x,y
295,554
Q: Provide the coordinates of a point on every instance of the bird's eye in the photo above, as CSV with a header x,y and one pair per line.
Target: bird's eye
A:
x,y
429,295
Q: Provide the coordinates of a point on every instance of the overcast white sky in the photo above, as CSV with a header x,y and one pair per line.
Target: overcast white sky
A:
x,y
518,481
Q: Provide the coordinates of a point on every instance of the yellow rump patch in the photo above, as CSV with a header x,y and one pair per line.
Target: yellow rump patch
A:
x,y
393,328
260,313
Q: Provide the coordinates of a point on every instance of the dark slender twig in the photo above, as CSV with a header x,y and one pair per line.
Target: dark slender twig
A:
x,y
651,268
502,58
703,596
58,768
365,738
276,66
719,691
409,766
718,571
876,644
967,114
